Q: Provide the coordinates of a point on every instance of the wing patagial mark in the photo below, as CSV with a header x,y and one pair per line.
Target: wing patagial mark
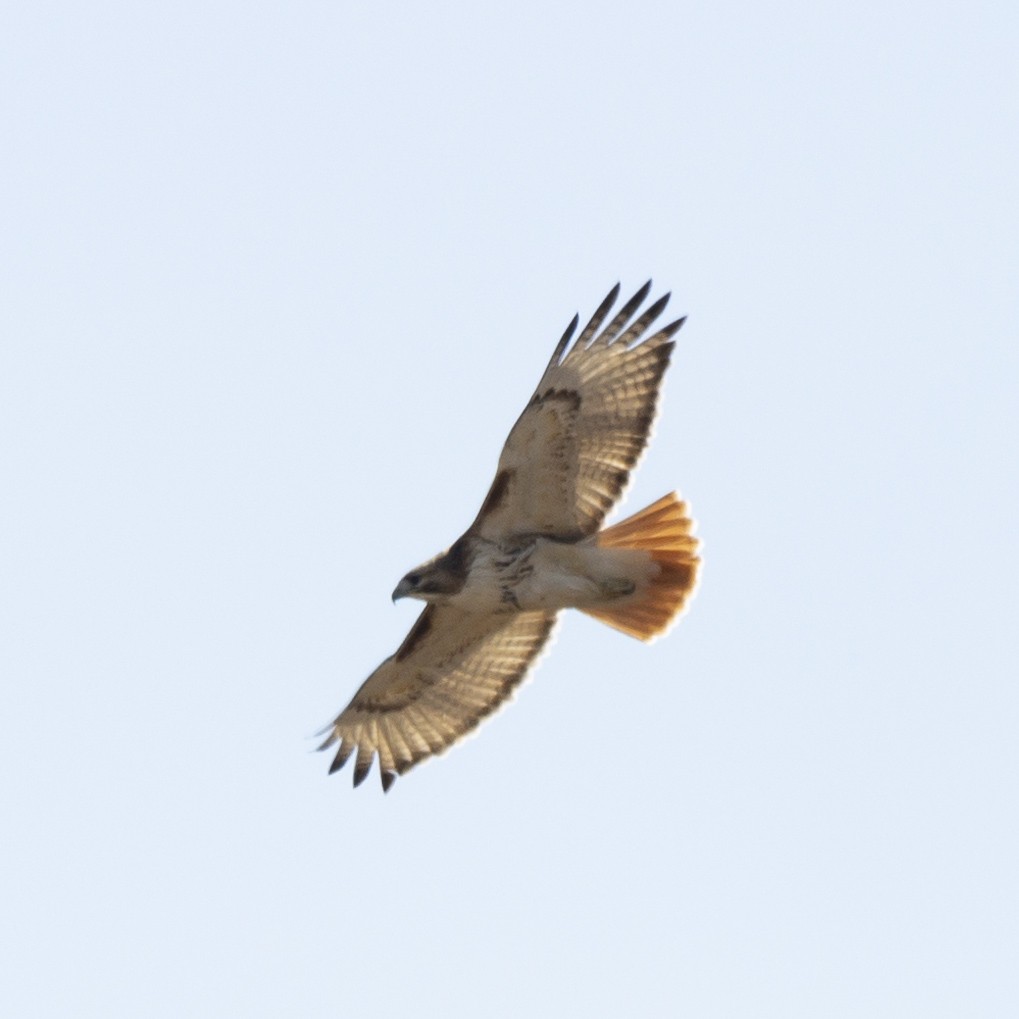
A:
x,y
417,634
497,493
457,559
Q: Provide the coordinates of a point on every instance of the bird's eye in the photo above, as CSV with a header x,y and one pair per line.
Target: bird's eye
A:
x,y
414,579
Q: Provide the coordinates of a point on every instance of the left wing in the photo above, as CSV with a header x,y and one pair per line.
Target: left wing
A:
x,y
570,453
453,669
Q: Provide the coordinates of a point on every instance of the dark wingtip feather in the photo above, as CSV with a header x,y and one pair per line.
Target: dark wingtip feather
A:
x,y
562,344
388,778
343,753
362,765
612,330
672,328
599,316
570,329
640,325
638,298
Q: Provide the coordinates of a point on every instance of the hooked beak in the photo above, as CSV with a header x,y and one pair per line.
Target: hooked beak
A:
x,y
403,589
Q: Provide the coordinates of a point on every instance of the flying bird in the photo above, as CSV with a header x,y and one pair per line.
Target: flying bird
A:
x,y
536,547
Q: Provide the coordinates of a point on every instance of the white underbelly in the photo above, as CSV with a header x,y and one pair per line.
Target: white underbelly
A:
x,y
550,575
575,576
555,588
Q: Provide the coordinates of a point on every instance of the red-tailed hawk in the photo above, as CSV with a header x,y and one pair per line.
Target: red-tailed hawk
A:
x,y
535,548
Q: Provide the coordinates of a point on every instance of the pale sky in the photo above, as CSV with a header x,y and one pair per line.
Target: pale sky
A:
x,y
276,281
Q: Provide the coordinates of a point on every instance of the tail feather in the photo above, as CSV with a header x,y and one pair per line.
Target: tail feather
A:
x,y
663,530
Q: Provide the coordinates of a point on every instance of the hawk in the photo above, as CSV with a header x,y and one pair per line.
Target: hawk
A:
x,y
536,547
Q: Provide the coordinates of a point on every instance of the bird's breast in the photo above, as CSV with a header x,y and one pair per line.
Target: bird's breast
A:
x,y
496,573
540,574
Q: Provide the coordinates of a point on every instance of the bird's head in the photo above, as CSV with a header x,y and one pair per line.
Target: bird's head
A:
x,y
437,579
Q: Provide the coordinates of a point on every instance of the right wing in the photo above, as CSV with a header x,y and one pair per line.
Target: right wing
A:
x,y
453,669
570,454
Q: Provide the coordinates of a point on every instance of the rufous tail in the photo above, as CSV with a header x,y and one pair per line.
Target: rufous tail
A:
x,y
663,530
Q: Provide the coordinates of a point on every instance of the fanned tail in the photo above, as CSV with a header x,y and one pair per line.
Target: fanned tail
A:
x,y
663,530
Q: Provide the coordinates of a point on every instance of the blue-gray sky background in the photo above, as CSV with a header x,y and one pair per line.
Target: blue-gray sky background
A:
x,y
276,282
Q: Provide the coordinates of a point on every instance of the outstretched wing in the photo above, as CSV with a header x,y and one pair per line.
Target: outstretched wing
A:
x,y
569,456
453,670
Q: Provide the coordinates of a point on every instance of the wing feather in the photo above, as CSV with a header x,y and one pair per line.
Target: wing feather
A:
x,y
623,316
570,454
453,670
596,320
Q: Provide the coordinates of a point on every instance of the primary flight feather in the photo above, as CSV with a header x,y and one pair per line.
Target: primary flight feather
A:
x,y
535,548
